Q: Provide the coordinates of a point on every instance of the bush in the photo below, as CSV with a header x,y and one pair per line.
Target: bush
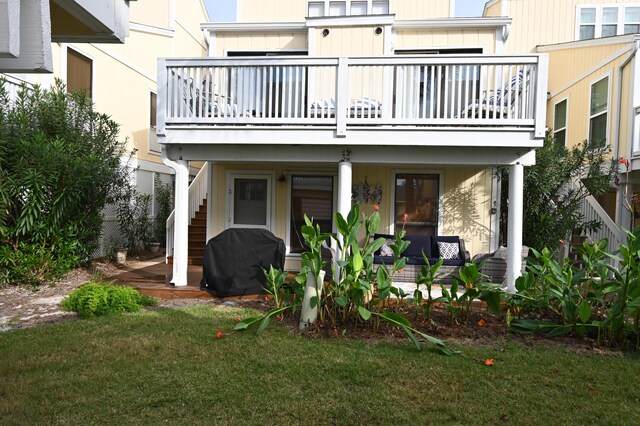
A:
x,y
97,299
60,164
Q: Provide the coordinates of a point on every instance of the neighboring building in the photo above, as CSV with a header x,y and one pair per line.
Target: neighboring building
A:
x,y
27,29
594,91
304,105
121,80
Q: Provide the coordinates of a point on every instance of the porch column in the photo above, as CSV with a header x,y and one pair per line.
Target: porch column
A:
x,y
344,189
180,220
514,230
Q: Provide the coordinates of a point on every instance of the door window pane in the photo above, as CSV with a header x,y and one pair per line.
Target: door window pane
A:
x,y
416,203
313,196
250,202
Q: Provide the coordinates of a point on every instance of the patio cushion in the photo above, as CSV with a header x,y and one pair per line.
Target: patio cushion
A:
x,y
418,243
435,252
449,251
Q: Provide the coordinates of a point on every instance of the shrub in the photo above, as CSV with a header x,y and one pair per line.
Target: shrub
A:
x,y
60,164
97,299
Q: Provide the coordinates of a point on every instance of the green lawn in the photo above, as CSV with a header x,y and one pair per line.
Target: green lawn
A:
x,y
166,366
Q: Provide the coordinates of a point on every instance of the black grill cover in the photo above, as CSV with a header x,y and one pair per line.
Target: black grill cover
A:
x,y
233,261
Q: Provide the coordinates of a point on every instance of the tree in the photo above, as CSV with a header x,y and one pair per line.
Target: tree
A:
x,y
555,188
60,164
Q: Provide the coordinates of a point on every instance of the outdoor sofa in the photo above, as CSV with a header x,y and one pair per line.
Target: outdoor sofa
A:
x,y
449,248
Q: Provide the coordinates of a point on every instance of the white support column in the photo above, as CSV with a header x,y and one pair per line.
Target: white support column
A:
x,y
345,178
181,220
514,231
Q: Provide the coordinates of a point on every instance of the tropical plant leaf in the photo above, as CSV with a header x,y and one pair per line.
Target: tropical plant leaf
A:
x,y
364,313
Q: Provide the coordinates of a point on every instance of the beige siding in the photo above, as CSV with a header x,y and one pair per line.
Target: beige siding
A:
x,y
544,22
495,9
425,39
259,41
465,210
572,72
567,65
626,142
158,16
272,10
420,9
349,41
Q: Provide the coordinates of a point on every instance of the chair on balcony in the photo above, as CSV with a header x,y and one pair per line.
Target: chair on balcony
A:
x,y
198,97
501,103
359,108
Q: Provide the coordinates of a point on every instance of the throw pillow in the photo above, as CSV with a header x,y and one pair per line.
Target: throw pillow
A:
x,y
449,251
385,250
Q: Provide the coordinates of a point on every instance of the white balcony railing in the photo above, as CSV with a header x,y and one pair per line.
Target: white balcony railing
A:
x,y
471,90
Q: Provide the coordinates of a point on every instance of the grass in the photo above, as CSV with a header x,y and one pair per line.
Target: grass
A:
x,y
166,366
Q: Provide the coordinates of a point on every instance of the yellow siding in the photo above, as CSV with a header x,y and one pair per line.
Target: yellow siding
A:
x,y
465,209
544,22
259,41
349,41
625,138
566,66
420,9
424,39
272,10
158,16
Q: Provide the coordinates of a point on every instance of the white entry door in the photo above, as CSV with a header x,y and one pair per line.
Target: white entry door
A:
x,y
250,200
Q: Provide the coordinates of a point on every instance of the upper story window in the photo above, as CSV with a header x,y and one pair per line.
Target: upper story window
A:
x,y
347,7
598,112
596,21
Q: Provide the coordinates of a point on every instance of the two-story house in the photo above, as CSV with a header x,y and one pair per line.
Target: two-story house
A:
x,y
308,106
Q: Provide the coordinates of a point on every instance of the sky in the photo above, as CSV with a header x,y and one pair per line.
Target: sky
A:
x,y
225,10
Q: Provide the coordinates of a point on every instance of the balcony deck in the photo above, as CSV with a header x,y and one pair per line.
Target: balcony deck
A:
x,y
320,100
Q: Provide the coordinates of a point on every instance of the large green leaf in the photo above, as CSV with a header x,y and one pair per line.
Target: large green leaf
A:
x,y
584,311
364,313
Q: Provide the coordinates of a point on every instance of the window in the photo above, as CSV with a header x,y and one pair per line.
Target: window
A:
x,y
560,123
596,21
313,196
153,104
417,197
79,72
319,8
632,20
598,113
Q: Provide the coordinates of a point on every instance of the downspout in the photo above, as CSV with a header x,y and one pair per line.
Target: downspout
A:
x,y
181,219
616,130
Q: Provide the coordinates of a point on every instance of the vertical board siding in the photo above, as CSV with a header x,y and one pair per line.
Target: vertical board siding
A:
x,y
465,209
539,22
349,41
259,41
565,66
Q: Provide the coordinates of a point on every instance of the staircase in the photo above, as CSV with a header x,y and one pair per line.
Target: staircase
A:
x,y
198,235
198,224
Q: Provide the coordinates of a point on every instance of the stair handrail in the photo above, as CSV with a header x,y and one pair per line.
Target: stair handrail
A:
x,y
591,209
197,194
